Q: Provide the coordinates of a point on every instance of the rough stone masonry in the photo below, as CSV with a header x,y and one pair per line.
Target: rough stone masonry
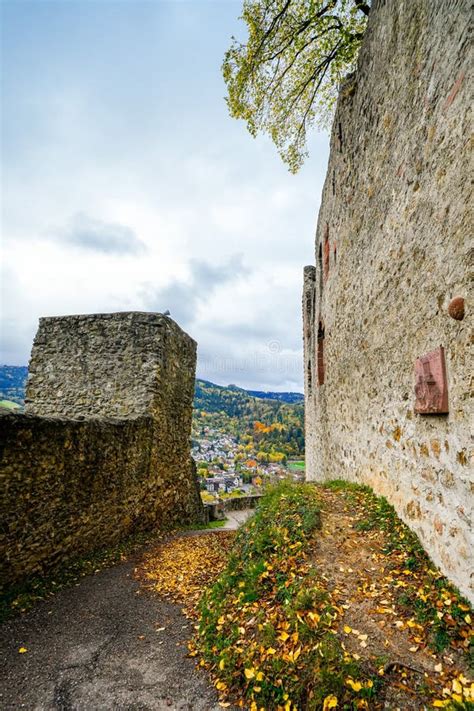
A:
x,y
392,280
103,448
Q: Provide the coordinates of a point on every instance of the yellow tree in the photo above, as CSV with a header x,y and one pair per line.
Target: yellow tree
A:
x,y
285,77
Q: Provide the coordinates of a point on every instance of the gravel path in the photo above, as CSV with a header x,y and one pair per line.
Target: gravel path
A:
x,y
97,646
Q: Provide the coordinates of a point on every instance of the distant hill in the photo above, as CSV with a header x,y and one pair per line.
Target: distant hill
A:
x,y
206,385
283,397
12,383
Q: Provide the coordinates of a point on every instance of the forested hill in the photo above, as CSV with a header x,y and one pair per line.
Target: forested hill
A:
x,y
270,424
210,393
283,397
12,383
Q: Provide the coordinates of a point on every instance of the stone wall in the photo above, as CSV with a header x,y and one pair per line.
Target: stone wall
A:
x,y
101,451
392,252
111,365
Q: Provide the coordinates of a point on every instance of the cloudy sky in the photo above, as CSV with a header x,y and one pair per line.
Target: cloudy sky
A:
x,y
126,186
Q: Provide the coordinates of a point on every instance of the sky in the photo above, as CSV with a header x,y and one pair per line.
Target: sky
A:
x,y
126,185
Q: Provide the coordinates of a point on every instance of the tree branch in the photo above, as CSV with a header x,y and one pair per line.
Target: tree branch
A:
x,y
362,6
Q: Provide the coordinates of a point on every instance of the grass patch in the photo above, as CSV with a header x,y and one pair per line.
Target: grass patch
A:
x,y
296,465
204,526
267,629
9,405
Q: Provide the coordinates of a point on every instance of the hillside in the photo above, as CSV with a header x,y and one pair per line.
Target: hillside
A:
x,y
262,424
12,383
283,397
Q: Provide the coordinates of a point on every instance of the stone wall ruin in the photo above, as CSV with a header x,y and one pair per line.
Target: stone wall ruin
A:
x,y
103,448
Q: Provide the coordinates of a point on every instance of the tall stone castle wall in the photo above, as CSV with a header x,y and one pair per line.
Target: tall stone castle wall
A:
x,y
392,252
104,446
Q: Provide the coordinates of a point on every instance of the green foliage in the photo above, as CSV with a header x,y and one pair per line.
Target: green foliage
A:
x,y
233,411
12,383
9,405
285,77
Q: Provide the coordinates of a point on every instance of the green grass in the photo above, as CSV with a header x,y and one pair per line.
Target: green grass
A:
x,y
9,405
296,465
204,526
267,627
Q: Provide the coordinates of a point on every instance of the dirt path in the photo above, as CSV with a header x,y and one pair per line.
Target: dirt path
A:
x,y
372,626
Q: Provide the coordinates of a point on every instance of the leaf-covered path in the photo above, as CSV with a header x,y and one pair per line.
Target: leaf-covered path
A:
x,y
119,639
372,585
101,645
362,580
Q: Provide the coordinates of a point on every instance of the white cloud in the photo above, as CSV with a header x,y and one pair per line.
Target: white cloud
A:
x,y
127,187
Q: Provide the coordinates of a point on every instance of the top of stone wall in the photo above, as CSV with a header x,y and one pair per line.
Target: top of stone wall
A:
x,y
105,365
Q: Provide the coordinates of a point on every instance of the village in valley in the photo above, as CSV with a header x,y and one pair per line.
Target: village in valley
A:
x,y
243,440
227,468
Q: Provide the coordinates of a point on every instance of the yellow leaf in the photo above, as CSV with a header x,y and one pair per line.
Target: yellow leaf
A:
x,y
330,702
355,685
270,650
283,636
221,664
347,629
221,620
249,673
22,650
259,676
441,704
457,686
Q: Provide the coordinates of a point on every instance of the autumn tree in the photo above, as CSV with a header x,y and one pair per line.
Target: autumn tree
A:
x,y
285,77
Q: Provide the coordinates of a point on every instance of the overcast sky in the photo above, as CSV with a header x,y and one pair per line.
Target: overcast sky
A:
x,y
126,185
